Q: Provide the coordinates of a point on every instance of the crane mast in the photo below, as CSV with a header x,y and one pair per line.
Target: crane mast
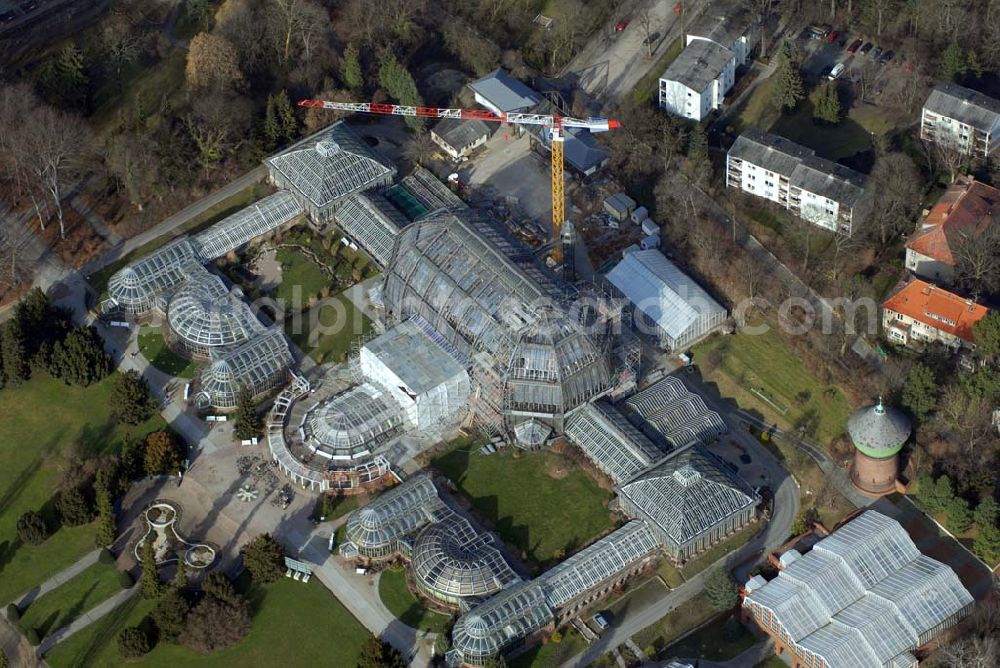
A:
x,y
555,124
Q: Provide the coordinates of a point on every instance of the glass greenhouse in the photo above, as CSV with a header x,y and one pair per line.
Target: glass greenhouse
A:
x,y
430,192
247,224
353,424
324,168
136,287
679,415
610,441
373,222
204,315
864,597
452,561
502,622
690,499
260,364
376,529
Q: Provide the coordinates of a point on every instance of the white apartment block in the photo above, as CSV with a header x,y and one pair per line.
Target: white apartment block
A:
x,y
963,118
822,192
699,78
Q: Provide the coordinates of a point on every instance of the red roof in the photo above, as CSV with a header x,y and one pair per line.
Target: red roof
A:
x,y
937,308
964,210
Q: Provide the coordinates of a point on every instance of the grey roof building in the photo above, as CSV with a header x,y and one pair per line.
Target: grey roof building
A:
x,y
963,118
326,167
460,137
698,65
690,499
823,192
879,430
500,92
863,597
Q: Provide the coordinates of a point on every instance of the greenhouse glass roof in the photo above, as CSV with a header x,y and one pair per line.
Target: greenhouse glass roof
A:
x,y
396,513
678,414
451,559
372,221
354,423
689,492
505,618
246,224
252,365
609,440
135,287
430,192
598,562
864,596
203,312
331,164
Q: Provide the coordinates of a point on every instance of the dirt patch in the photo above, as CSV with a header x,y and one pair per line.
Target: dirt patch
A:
x,y
557,468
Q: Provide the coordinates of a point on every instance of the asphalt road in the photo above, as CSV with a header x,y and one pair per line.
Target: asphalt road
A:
x,y
611,63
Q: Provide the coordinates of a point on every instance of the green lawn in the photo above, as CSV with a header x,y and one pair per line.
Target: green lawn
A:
x,y
657,636
551,654
539,502
154,348
327,331
332,507
716,552
48,426
404,605
719,641
851,135
763,375
301,279
772,662
71,599
295,625
636,598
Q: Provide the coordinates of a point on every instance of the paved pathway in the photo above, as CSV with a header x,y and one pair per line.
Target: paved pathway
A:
x,y
86,619
170,223
85,562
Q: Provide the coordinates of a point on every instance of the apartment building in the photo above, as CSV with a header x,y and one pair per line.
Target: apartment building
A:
x,y
820,191
963,118
923,313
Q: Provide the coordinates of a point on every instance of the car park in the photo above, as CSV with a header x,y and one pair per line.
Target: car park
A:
x,y
875,53
886,57
853,48
865,49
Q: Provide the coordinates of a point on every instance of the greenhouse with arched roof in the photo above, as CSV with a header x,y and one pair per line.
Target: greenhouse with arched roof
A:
x,y
261,364
204,315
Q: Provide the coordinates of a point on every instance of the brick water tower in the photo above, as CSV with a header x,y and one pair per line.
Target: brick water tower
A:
x,y
878,434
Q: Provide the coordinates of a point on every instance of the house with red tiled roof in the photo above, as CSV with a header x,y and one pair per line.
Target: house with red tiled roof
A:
x,y
963,212
922,312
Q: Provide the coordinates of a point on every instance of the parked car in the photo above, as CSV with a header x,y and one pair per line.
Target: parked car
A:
x,y
853,48
875,53
886,57
621,25
832,37
836,71
866,48
817,32
600,621
650,39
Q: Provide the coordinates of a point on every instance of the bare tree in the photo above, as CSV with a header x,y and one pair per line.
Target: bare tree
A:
x,y
218,126
15,241
59,143
646,22
977,260
897,190
120,42
949,155
971,652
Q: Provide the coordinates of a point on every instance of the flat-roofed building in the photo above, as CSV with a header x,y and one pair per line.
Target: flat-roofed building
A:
x,y
961,118
863,597
920,312
501,93
820,191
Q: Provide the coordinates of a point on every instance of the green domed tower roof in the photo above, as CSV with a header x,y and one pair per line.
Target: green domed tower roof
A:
x,y
878,431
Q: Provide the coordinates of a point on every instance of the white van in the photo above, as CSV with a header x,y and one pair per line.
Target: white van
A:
x,y
837,70
600,621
